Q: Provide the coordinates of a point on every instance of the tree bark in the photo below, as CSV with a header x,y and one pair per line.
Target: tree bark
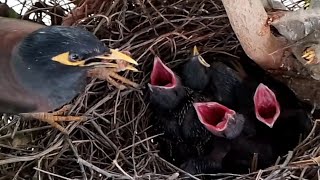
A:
x,y
248,19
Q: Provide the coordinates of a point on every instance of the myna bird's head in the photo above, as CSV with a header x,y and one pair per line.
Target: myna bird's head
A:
x,y
67,46
195,71
219,119
266,105
165,87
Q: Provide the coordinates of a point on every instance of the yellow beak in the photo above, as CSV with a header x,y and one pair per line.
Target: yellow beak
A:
x,y
116,55
200,58
195,51
121,68
96,61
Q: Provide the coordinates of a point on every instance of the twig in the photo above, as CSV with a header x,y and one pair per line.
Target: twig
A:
x,y
142,141
192,176
30,158
78,157
109,175
52,174
117,165
285,163
26,131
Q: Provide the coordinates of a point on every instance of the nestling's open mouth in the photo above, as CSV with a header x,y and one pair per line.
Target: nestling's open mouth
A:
x,y
162,76
213,116
266,105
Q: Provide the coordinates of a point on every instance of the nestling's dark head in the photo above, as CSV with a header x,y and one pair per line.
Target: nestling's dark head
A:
x,y
54,46
165,87
195,71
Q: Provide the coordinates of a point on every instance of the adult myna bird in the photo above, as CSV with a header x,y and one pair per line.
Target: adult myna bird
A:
x,y
44,68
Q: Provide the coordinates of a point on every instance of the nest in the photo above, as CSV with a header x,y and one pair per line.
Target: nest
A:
x,y
114,142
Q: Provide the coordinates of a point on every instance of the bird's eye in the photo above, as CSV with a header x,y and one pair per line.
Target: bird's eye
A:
x,y
74,57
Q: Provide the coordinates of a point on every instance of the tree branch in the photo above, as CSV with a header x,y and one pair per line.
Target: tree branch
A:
x,y
83,9
250,25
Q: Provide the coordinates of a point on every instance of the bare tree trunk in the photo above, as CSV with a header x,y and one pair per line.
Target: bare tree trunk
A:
x,y
248,19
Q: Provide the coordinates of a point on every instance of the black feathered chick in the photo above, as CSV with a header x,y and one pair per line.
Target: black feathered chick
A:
x,y
266,104
166,90
218,79
175,116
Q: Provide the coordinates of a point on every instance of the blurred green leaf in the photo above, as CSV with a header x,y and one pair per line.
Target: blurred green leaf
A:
x,y
6,11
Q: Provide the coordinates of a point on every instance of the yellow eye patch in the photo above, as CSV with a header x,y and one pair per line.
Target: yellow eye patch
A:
x,y
64,59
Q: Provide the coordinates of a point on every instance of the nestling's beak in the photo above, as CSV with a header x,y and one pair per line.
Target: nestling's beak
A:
x,y
267,107
200,58
213,116
162,76
219,119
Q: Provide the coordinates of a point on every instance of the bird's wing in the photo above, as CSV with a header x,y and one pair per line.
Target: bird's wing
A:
x,y
13,98
12,31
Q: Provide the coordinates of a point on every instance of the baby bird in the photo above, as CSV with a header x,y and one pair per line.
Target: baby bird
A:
x,y
226,125
219,119
174,115
287,119
235,142
285,123
166,90
219,79
271,112
196,72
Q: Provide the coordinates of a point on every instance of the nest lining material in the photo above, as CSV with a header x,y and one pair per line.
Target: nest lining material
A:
x,y
114,142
